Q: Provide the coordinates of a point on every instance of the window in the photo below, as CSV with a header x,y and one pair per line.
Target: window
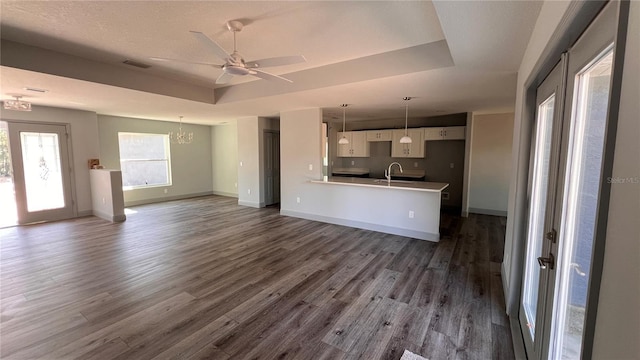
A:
x,y
144,160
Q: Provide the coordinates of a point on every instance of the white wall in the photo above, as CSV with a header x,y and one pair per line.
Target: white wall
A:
x,y
84,143
618,313
224,153
618,319
248,161
300,146
550,15
490,163
190,163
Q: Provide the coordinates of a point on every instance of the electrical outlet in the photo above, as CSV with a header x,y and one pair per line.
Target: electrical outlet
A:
x,y
353,162
104,201
415,164
451,165
235,185
240,163
310,167
166,191
249,191
298,199
411,214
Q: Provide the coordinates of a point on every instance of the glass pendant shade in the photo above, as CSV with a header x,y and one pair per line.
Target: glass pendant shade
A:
x,y
343,140
406,139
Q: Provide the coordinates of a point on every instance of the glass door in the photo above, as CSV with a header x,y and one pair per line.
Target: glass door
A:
x,y
565,179
42,173
541,194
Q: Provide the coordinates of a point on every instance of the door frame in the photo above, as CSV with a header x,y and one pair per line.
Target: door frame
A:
x,y
574,22
18,174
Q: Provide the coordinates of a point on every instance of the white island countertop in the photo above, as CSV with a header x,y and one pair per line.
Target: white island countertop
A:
x,y
382,183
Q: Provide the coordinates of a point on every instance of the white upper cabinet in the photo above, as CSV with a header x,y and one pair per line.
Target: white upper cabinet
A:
x,y
379,135
413,150
444,133
357,146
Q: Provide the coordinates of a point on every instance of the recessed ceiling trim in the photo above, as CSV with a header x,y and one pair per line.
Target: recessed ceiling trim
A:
x,y
418,58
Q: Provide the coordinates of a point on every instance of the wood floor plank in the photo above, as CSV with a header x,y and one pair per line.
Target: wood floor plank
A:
x,y
205,278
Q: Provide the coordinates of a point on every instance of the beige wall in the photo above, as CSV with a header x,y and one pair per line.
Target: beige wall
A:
x,y
84,143
190,163
490,163
224,153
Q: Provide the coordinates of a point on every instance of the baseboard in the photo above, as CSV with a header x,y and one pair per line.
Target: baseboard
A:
x,y
502,213
250,203
421,235
109,217
85,213
227,194
166,198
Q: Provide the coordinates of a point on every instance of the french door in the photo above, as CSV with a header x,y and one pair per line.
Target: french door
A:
x,y
41,172
564,182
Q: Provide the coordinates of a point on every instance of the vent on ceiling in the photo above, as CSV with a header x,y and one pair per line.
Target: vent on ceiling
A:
x,y
136,64
36,89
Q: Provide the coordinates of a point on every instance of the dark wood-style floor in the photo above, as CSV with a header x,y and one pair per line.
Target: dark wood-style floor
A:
x,y
208,279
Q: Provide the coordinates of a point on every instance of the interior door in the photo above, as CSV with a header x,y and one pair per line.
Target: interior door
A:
x,y
565,179
42,172
541,194
271,167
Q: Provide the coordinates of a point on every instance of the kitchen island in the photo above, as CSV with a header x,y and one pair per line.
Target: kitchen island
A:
x,y
407,208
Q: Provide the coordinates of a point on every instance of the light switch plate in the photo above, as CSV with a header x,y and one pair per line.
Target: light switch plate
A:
x,y
310,167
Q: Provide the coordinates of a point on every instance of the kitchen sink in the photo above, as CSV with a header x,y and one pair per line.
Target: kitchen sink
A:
x,y
378,181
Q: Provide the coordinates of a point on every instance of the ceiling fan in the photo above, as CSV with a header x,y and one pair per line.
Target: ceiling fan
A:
x,y
234,64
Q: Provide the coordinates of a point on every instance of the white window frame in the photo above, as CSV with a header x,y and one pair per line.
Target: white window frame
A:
x,y
167,159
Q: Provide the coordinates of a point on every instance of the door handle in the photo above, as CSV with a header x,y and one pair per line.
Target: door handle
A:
x,y
545,262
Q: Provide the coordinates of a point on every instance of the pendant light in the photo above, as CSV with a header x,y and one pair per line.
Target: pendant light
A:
x,y
406,139
343,140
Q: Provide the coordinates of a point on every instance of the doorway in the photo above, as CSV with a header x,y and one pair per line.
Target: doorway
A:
x,y
8,211
271,141
41,171
565,178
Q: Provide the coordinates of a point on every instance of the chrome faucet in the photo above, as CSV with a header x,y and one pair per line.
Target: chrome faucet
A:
x,y
387,173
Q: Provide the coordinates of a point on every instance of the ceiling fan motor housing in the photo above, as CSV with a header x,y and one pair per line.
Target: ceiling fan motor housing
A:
x,y
236,70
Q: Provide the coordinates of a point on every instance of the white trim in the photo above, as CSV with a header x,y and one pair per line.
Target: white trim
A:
x,y
224,193
253,204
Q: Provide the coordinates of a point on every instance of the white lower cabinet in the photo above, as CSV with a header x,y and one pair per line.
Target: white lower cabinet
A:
x,y
413,150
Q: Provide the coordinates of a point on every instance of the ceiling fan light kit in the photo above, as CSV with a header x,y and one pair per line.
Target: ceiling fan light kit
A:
x,y
406,139
234,63
343,140
17,104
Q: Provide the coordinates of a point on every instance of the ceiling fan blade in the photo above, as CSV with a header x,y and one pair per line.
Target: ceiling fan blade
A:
x,y
224,78
184,61
267,76
212,45
276,61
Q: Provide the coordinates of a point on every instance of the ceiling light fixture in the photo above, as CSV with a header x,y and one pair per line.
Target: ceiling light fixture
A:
x,y
343,140
181,137
17,104
406,139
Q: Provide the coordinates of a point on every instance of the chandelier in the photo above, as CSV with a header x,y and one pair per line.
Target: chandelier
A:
x,y
180,137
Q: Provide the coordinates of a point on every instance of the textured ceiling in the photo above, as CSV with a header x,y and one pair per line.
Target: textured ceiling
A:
x,y
366,53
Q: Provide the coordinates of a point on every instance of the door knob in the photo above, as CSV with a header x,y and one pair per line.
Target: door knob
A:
x,y
545,262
